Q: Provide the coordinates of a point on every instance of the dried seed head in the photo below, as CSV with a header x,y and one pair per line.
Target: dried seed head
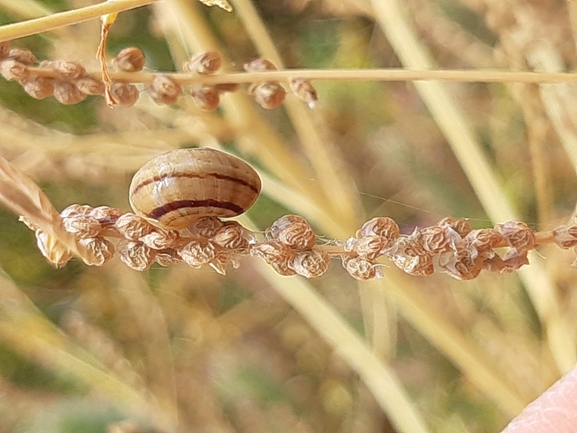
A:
x,y
484,240
76,210
102,250
38,87
565,236
164,90
130,59
206,62
125,94
380,226
438,239
411,257
294,231
133,227
167,257
67,93
310,264
82,226
361,269
90,86
13,70
269,95
460,225
231,236
259,65
67,71
136,255
370,247
461,266
276,254
519,236
26,57
206,226
160,239
105,215
304,90
206,98
197,253
4,49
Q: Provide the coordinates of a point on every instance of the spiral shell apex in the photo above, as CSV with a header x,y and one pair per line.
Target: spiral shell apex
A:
x,y
178,187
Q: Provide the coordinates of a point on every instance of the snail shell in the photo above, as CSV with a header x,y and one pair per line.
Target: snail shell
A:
x,y
177,187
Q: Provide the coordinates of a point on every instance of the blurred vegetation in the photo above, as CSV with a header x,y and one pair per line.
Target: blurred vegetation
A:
x,y
82,348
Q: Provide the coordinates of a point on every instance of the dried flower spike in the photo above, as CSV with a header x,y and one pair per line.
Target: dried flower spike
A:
x,y
130,59
206,62
66,70
294,231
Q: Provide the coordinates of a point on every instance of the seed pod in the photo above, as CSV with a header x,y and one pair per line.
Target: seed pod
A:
x,y
179,187
67,93
38,87
4,49
259,65
269,95
304,90
130,59
125,94
164,90
206,98
89,85
207,62
23,56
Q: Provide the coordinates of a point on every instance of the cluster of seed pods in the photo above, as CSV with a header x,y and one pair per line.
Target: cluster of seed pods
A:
x,y
70,83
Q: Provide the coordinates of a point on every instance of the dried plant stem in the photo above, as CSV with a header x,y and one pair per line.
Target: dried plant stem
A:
x,y
429,74
414,55
63,19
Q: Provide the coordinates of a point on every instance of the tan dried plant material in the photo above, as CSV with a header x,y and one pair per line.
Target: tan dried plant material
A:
x,y
66,70
223,4
124,94
67,93
38,87
205,62
207,98
23,197
294,231
13,70
304,90
164,90
25,57
90,86
130,59
4,50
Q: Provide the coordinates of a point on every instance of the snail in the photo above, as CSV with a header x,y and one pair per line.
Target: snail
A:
x,y
176,188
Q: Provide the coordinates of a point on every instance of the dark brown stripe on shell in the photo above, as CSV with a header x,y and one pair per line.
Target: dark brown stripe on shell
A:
x,y
193,176
159,212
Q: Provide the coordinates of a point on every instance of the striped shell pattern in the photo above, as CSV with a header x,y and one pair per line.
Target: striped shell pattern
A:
x,y
176,188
